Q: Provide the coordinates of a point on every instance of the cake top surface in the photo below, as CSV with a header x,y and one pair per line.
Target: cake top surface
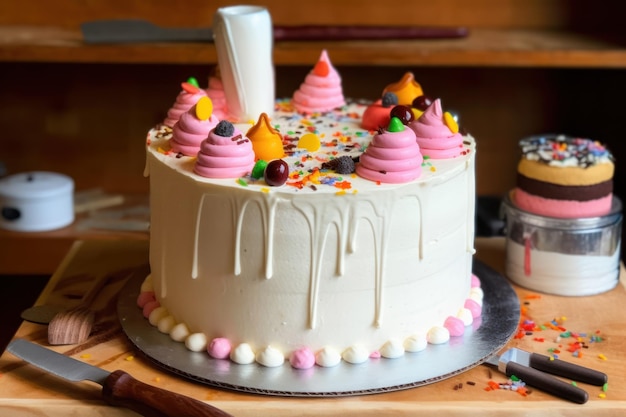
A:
x,y
313,145
565,151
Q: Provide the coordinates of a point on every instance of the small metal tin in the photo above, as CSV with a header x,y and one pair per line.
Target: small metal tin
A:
x,y
571,257
36,201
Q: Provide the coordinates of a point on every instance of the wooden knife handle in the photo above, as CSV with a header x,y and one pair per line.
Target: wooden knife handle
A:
x,y
345,33
567,370
121,389
547,383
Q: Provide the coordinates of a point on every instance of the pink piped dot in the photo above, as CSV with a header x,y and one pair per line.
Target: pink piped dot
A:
x,y
149,307
375,355
145,297
475,281
302,358
455,326
219,348
473,307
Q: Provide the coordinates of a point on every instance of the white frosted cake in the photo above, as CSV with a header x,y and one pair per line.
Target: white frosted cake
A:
x,y
350,244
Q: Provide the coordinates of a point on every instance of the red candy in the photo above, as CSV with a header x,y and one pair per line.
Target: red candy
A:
x,y
276,172
190,88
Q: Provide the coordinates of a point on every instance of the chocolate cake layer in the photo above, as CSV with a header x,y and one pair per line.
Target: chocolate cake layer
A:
x,y
560,192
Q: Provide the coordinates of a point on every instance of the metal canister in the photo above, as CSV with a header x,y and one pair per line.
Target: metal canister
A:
x,y
571,257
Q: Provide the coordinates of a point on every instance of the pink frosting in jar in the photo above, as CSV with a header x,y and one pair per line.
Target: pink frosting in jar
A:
x,y
321,90
229,156
184,101
392,157
435,138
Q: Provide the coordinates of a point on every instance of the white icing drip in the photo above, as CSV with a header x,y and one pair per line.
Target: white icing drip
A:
x,y
269,208
238,225
319,222
196,238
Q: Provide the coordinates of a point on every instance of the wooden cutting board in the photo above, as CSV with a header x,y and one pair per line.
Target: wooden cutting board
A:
x,y
26,391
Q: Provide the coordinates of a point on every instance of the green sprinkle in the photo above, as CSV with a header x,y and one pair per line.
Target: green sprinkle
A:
x,y
193,81
574,383
259,169
605,387
395,125
242,182
566,334
514,378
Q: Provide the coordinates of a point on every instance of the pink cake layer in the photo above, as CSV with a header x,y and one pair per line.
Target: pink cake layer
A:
x,y
566,209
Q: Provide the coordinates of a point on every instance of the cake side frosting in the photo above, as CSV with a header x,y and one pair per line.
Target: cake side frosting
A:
x,y
333,263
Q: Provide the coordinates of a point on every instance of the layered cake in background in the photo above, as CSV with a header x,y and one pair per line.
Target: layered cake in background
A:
x,y
565,177
563,222
332,242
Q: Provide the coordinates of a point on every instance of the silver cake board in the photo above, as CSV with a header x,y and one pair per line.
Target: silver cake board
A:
x,y
485,337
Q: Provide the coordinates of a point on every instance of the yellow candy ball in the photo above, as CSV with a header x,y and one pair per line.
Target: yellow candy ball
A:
x,y
310,142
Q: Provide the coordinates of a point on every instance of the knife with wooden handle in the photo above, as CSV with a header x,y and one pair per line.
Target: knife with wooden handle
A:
x,y
536,370
118,387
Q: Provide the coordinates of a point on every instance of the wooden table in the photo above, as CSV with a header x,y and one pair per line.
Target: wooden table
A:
x,y
26,391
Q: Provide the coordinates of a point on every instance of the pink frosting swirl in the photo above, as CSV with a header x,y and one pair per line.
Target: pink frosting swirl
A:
x,y
455,326
190,131
435,138
473,307
225,156
391,157
215,91
475,281
321,90
219,348
302,358
184,101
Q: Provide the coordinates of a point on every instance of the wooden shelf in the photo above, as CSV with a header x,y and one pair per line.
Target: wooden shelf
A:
x,y
482,48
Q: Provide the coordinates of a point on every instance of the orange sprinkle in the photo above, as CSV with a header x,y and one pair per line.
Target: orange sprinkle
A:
x,y
532,297
344,185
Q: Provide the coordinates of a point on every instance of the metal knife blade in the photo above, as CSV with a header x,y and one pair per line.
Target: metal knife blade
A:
x,y
139,30
118,387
